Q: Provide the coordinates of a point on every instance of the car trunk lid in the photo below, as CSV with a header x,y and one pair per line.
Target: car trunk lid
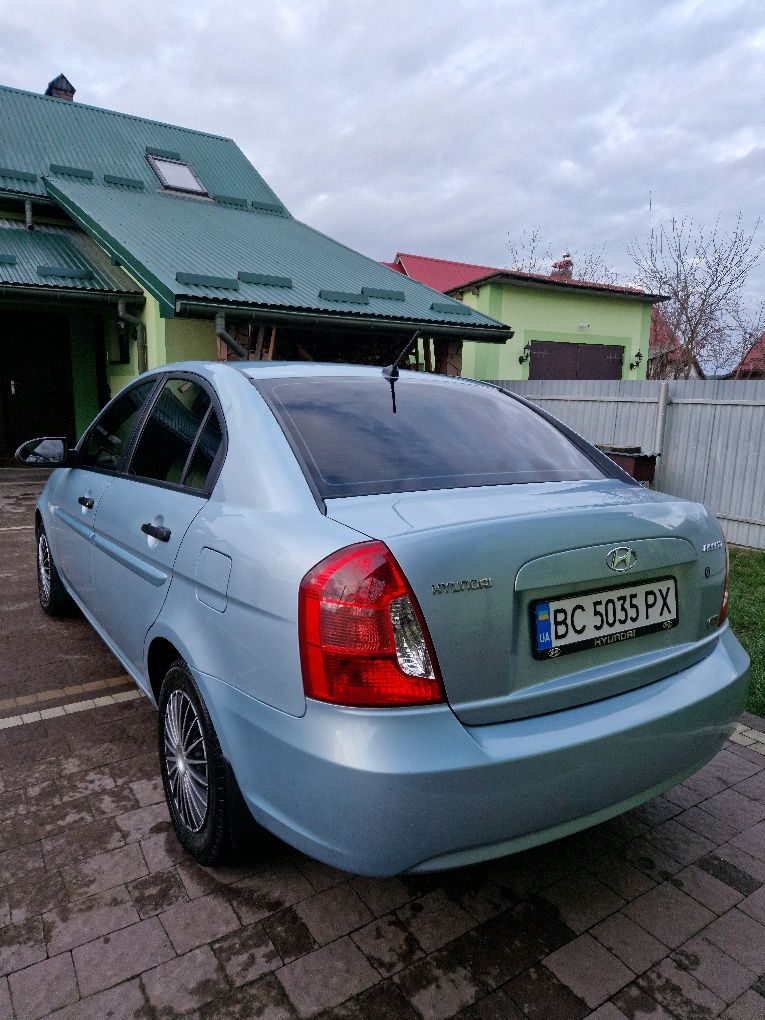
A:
x,y
478,560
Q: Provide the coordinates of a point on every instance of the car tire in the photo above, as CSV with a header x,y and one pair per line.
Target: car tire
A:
x,y
55,600
202,796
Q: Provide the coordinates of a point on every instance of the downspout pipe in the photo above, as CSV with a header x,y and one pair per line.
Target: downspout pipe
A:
x,y
140,334
28,214
220,332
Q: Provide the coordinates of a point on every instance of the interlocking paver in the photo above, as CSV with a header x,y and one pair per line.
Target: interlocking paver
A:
x,y
34,895
680,992
290,936
46,986
73,924
104,871
333,913
123,954
673,891
184,983
540,995
497,950
387,944
434,920
381,895
156,893
721,974
437,987
327,977
589,970
631,943
668,914
583,901
21,945
198,921
741,937
246,954
143,822
710,891
123,1002
6,1010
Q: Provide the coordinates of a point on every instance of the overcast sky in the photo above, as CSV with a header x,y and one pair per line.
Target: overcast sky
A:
x,y
439,128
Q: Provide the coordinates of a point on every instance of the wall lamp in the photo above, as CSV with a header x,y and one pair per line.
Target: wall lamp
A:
x,y
638,358
526,354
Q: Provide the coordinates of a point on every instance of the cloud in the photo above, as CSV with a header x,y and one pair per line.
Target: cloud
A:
x,y
440,127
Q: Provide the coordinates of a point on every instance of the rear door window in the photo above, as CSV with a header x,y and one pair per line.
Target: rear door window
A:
x,y
351,441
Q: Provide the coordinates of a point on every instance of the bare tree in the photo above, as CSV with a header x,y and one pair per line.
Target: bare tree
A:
x,y
532,253
704,272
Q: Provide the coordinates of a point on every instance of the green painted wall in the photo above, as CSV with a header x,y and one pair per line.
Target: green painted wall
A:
x,y
537,314
190,339
82,342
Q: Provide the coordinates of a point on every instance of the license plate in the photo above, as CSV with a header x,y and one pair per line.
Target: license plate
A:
x,y
600,618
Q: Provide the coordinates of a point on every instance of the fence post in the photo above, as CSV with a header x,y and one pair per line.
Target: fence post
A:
x,y
661,420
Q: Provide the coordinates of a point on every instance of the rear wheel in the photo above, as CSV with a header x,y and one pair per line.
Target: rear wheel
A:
x,y
54,598
204,801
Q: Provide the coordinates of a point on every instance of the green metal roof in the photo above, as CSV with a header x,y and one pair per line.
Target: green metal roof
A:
x,y
239,248
60,258
40,132
185,248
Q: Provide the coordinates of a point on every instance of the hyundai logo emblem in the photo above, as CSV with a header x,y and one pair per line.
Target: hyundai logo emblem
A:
x,y
622,558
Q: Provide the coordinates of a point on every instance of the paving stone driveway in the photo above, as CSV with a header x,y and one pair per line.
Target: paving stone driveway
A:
x,y
659,913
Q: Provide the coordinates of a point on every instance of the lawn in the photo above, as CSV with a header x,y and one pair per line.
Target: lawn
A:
x,y
747,617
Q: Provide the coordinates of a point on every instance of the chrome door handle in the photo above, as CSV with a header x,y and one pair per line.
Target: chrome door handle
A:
x,y
87,502
156,531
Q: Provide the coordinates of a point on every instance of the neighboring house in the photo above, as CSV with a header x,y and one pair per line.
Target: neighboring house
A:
x,y
666,359
563,328
752,365
126,243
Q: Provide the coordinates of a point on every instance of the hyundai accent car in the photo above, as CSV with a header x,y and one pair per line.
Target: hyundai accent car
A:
x,y
405,622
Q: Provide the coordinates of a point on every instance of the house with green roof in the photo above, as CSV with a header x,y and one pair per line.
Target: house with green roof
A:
x,y
127,243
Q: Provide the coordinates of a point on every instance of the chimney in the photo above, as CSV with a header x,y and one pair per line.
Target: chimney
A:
x,y
60,88
563,269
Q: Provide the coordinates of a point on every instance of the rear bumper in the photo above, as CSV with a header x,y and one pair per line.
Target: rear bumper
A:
x,y
381,792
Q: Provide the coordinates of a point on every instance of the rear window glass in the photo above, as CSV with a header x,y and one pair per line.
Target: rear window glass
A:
x,y
441,436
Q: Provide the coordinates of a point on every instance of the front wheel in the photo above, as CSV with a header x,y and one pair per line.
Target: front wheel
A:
x,y
199,788
55,600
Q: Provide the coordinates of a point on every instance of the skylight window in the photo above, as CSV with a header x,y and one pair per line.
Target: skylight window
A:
x,y
176,175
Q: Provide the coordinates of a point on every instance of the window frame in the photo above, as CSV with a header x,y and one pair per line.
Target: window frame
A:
x,y
217,464
202,192
148,405
128,448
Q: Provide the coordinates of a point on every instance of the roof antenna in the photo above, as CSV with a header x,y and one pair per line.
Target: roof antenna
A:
x,y
391,371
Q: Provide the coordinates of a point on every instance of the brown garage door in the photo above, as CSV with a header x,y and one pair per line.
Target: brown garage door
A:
x,y
553,359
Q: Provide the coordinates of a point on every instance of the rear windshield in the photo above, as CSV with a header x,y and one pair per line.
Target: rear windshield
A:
x,y
441,435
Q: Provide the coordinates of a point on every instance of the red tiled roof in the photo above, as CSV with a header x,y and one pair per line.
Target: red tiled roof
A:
x,y
754,359
440,274
445,275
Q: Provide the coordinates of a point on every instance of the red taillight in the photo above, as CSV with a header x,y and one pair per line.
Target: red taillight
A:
x,y
724,604
363,641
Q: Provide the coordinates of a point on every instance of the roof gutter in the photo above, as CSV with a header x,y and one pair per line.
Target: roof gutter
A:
x,y
52,295
561,286
276,316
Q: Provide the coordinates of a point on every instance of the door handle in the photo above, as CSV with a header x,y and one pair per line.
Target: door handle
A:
x,y
87,502
156,531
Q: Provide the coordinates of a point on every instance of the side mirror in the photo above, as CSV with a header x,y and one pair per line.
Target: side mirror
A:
x,y
46,452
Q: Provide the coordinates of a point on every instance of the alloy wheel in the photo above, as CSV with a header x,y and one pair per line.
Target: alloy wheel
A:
x,y
186,760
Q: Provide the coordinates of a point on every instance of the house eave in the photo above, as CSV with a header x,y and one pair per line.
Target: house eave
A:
x,y
560,286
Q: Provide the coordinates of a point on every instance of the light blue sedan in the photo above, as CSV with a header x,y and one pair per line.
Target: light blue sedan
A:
x,y
404,622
